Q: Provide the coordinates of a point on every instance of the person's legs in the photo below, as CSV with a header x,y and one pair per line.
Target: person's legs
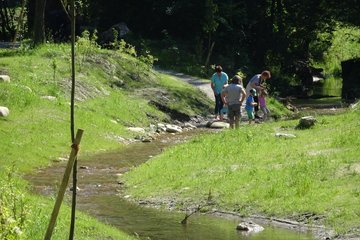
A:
x,y
218,103
237,114
231,121
221,105
256,99
266,112
237,122
250,114
231,116
263,109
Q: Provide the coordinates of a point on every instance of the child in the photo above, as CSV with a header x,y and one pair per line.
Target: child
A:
x,y
225,108
250,104
262,103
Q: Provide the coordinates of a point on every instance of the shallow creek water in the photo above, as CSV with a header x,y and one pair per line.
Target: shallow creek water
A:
x,y
98,196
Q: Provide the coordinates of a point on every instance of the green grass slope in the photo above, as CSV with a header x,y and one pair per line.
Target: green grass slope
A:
x,y
251,171
113,91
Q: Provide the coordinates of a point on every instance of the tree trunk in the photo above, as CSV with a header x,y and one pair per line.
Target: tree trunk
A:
x,y
39,22
20,21
209,54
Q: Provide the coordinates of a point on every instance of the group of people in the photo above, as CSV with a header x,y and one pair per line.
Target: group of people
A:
x,y
230,97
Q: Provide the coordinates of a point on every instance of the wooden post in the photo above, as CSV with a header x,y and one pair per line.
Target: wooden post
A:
x,y
64,183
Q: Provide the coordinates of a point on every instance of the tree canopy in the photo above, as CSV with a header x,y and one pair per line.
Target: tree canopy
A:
x,y
247,33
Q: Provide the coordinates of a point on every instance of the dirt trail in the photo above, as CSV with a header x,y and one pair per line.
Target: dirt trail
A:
x,y
202,84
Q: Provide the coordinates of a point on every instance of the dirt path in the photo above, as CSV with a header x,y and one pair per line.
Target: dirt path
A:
x,y
202,84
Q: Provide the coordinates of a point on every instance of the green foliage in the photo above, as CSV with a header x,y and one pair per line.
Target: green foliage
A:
x,y
329,50
345,46
14,209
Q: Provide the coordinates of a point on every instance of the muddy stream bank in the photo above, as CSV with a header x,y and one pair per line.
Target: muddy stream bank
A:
x,y
98,195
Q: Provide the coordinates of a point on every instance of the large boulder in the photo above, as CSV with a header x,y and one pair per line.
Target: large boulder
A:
x,y
4,111
4,78
306,122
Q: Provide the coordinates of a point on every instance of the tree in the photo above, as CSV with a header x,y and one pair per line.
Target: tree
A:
x,y
7,30
39,22
209,26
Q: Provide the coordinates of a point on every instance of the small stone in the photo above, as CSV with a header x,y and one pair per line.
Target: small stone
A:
x,y
4,111
4,78
136,129
249,227
285,135
77,189
219,125
50,98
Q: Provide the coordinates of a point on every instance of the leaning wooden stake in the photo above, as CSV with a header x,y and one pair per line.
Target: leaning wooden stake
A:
x,y
64,183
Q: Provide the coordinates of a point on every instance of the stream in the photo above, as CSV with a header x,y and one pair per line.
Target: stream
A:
x,y
98,195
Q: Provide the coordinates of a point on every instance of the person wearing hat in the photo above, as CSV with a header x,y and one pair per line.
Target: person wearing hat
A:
x,y
218,80
256,82
250,104
233,96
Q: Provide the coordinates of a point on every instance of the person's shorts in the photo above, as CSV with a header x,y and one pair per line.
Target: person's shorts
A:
x,y
250,114
234,111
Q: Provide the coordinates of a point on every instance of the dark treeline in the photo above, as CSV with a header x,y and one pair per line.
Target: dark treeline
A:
x,y
241,35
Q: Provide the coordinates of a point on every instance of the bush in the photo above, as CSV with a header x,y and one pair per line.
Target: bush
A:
x,y
13,208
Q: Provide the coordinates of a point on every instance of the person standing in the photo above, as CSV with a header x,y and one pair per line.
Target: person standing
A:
x,y
233,96
250,104
262,102
218,80
256,82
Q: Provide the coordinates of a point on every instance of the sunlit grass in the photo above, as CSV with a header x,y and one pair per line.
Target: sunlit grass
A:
x,y
251,171
37,131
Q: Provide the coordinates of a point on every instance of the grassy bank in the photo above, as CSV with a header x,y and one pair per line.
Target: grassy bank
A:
x,y
113,91
251,171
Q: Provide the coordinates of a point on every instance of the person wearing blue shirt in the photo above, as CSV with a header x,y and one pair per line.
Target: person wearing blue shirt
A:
x,y
218,80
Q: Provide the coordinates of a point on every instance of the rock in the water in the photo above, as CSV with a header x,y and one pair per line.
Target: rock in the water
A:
x,y
219,125
306,122
249,227
173,128
285,135
4,78
189,125
161,127
4,111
